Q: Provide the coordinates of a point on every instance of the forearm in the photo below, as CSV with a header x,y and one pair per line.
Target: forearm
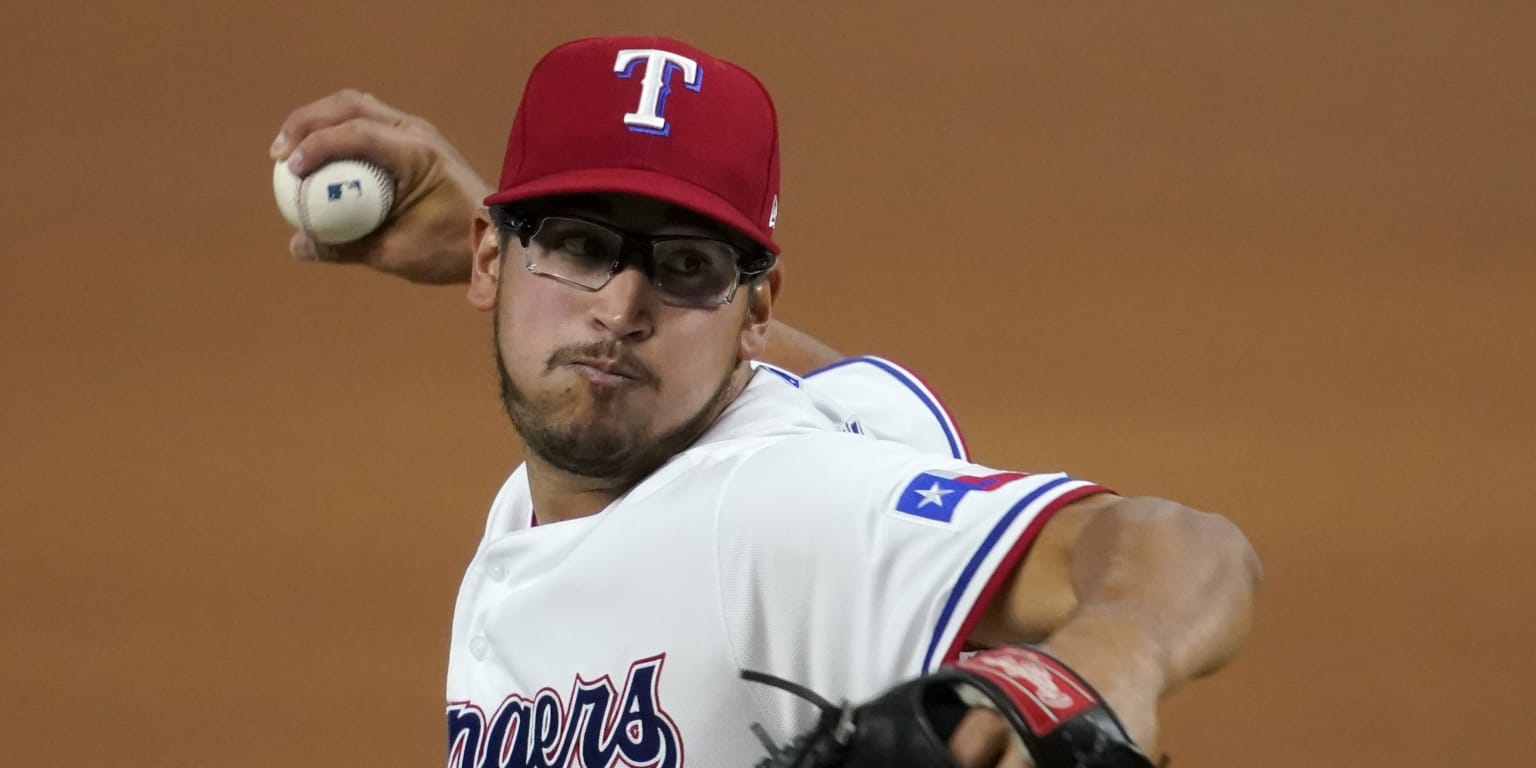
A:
x,y
1164,595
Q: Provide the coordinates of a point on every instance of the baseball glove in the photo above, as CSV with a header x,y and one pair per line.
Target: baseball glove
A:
x,y
1059,718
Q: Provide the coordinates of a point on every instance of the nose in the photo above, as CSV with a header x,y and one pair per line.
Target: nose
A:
x,y
625,306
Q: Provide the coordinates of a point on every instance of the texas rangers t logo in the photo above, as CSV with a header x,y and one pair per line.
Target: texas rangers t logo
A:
x,y
660,65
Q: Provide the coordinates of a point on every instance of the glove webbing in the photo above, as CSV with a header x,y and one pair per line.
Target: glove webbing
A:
x,y
820,747
1059,718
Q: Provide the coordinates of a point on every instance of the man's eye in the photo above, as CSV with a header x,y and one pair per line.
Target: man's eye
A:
x,y
688,264
575,246
583,249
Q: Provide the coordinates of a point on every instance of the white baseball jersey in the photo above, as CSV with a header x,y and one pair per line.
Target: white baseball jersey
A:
x,y
828,530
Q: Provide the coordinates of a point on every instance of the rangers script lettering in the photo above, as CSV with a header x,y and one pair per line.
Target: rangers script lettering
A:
x,y
598,726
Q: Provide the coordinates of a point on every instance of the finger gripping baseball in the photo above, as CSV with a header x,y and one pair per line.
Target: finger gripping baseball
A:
x,y
1060,720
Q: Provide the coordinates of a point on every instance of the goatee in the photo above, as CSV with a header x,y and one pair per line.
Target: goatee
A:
x,y
615,447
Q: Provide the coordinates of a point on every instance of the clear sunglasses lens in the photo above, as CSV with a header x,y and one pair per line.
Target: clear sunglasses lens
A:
x,y
574,250
694,272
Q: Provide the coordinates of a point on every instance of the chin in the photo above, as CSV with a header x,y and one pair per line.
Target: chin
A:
x,y
604,410
592,449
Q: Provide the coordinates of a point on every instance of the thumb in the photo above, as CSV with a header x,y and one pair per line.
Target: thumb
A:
x,y
304,248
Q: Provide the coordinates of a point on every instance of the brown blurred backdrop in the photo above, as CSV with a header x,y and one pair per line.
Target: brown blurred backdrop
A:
x,y
1270,259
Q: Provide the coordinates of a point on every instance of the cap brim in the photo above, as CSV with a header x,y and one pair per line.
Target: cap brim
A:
x,y
641,182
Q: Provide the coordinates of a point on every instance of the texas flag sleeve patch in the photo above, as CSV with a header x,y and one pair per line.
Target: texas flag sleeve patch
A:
x,y
934,495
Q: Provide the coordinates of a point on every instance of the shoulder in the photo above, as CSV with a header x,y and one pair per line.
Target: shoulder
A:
x,y
867,482
876,396
830,466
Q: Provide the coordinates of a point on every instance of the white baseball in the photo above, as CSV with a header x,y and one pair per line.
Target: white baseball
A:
x,y
336,203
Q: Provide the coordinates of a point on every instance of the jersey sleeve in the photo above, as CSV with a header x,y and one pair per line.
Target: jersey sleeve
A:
x,y
849,564
877,397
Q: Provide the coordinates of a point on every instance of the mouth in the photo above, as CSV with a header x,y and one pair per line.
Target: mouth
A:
x,y
606,371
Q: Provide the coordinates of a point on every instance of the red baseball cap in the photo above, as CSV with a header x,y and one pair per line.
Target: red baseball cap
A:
x,y
647,116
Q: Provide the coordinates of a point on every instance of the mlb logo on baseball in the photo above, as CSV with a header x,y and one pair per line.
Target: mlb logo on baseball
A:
x,y
333,191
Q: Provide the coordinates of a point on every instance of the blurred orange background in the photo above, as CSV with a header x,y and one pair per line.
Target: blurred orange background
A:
x,y
1273,260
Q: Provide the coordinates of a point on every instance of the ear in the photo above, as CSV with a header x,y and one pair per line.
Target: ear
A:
x,y
485,264
754,331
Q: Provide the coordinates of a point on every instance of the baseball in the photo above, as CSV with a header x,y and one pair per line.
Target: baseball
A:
x,y
336,203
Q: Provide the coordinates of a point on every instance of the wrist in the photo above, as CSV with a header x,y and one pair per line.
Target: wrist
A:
x,y
1063,718
1122,659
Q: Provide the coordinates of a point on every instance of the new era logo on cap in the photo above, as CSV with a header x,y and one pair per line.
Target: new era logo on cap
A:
x,y
647,116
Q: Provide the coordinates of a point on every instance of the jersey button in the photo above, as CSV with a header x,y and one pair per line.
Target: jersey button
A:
x,y
478,646
498,571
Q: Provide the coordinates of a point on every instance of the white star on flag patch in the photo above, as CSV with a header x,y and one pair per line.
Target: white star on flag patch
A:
x,y
935,494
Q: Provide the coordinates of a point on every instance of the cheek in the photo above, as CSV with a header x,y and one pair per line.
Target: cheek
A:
x,y
705,350
530,321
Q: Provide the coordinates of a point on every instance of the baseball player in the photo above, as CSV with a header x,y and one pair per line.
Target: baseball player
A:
x,y
687,513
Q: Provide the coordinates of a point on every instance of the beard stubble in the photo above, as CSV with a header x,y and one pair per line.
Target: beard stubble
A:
x,y
610,444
